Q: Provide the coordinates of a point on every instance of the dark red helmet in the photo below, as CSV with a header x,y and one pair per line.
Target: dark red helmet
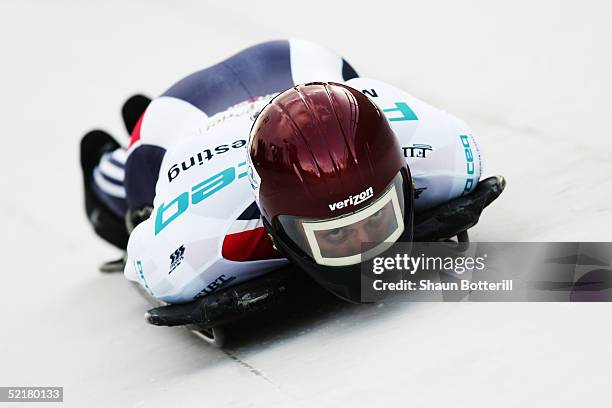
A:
x,y
330,180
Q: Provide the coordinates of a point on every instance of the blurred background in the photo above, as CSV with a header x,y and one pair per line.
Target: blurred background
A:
x,y
533,81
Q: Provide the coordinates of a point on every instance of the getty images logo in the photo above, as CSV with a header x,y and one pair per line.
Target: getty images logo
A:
x,y
353,200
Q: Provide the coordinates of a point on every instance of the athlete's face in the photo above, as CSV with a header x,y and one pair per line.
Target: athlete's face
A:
x,y
348,240
353,237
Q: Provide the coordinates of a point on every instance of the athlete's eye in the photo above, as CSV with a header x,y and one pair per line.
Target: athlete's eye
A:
x,y
378,219
337,234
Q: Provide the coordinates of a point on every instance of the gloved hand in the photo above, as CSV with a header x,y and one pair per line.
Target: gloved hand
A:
x,y
456,216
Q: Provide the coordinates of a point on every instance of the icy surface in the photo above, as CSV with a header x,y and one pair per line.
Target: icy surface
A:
x,y
531,78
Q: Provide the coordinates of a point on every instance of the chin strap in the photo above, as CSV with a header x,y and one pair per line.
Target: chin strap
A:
x,y
455,217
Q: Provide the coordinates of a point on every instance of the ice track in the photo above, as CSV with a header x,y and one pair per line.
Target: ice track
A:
x,y
531,78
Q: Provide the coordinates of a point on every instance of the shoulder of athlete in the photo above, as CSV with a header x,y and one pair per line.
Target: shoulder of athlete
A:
x,y
398,105
408,115
439,148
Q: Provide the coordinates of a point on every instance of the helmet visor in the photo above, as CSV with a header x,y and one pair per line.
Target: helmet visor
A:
x,y
354,237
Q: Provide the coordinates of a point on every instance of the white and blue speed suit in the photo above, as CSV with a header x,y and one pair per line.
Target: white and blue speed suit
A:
x,y
187,159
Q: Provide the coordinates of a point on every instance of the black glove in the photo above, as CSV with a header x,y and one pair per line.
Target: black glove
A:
x,y
106,224
458,215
